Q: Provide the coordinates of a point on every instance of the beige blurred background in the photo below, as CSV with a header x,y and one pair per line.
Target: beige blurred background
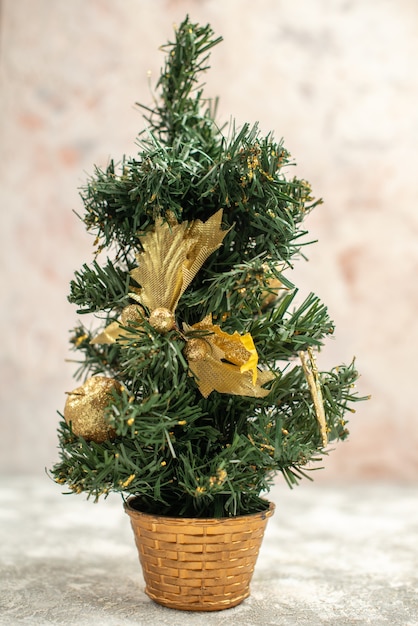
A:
x,y
336,78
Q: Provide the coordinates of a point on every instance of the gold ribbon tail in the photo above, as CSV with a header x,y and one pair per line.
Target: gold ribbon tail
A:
x,y
312,376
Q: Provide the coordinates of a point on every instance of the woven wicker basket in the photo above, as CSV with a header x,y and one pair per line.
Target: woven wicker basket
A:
x,y
198,564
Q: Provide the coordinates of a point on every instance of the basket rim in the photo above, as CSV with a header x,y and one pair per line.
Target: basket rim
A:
x,y
197,520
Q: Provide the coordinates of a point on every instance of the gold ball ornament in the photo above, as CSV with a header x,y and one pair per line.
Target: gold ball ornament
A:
x,y
196,349
85,408
133,313
162,320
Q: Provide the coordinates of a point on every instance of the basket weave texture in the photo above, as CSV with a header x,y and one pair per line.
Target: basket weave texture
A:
x,y
198,564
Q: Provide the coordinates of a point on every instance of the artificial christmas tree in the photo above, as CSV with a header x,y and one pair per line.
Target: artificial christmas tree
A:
x,y
200,380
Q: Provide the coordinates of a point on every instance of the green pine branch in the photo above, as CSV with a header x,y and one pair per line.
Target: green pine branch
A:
x,y
99,288
179,113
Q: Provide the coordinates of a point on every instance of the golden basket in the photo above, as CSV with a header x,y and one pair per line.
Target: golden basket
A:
x,y
197,564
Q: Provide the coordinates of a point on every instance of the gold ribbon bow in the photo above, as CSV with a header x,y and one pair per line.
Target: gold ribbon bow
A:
x,y
225,363
172,254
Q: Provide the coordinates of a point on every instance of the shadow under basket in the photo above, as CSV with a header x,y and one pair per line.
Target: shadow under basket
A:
x,y
194,564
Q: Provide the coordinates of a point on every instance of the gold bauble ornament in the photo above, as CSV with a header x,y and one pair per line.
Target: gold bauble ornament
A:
x,y
196,349
85,408
162,320
133,313
270,296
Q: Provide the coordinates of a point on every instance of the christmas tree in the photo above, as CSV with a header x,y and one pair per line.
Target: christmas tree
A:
x,y
199,383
